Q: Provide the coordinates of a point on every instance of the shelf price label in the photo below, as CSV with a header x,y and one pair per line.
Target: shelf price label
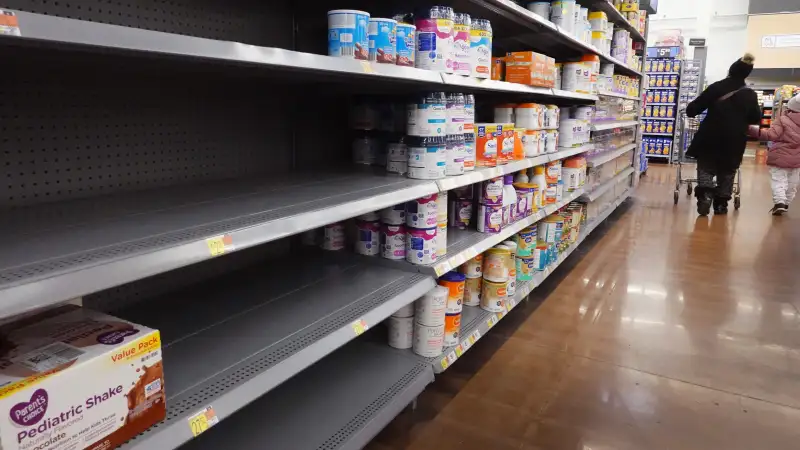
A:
x,y
459,351
360,326
367,67
445,364
202,420
218,245
475,336
490,322
451,357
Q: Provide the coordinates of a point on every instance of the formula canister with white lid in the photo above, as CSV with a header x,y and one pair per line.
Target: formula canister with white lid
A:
x,y
469,152
441,240
454,155
455,113
427,157
401,332
333,237
441,207
421,245
393,241
469,114
473,268
541,9
427,116
430,308
504,113
394,215
347,34
368,241
585,113
423,212
551,141
428,340
405,311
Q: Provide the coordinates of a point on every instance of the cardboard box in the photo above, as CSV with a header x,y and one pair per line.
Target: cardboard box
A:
x,y
76,379
528,68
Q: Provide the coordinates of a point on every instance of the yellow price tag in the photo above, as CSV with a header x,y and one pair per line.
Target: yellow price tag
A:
x,y
218,244
472,339
459,351
360,326
202,420
367,67
445,363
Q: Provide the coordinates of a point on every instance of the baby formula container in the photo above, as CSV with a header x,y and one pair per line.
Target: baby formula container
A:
x,y
382,35
406,43
430,308
541,9
454,282
333,237
452,329
427,157
421,245
422,212
481,48
495,264
493,296
469,152
405,311
428,341
473,268
393,241
427,116
487,144
455,114
368,242
347,34
529,116
490,218
472,291
454,155
460,213
504,113
441,239
526,268
401,332
526,241
462,24
435,39
394,215
491,192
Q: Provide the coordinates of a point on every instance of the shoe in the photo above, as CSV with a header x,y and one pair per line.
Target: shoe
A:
x,y
720,207
779,209
703,206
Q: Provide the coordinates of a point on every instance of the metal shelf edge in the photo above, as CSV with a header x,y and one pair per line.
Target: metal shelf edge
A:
x,y
597,192
600,126
600,160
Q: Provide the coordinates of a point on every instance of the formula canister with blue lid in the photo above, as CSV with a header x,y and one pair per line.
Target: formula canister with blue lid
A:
x,y
427,115
427,157
347,34
382,35
434,48
406,42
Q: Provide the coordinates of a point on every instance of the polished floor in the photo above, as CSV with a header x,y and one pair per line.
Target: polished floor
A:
x,y
665,332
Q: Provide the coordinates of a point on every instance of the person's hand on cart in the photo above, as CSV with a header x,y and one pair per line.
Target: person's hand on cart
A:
x,y
754,131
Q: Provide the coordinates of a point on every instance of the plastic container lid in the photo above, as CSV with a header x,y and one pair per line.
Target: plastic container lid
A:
x,y
426,141
453,276
348,11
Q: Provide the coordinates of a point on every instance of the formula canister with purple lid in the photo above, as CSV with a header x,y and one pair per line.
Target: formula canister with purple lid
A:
x,y
368,242
434,49
422,212
406,43
454,155
421,245
490,218
491,192
460,213
524,199
347,34
394,215
382,35
393,241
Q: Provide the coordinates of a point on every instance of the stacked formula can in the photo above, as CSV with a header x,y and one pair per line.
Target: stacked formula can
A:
x,y
401,327
456,150
393,232
368,228
441,224
427,136
454,282
473,280
496,273
429,322
422,223
490,206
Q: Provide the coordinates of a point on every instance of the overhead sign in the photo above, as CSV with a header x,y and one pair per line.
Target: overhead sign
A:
x,y
780,40
697,42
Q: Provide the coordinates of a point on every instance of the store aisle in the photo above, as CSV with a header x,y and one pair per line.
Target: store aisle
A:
x,y
664,332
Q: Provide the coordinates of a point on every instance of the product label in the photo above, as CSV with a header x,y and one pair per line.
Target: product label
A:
x,y
469,118
405,45
481,53
9,25
202,420
347,35
461,49
455,118
382,38
435,44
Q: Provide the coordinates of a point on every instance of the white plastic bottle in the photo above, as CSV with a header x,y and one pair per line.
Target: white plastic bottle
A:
x,y
522,177
509,200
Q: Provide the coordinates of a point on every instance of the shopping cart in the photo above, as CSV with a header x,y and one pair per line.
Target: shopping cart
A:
x,y
688,128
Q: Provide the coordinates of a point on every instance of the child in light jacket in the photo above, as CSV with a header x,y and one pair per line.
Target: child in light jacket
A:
x,y
783,158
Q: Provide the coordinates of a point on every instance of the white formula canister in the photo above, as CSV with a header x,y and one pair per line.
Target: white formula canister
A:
x,y
405,311
397,151
421,245
427,116
562,13
573,77
469,152
401,332
423,212
585,113
398,167
427,157
333,237
393,241
569,131
541,9
441,207
473,268
461,44
504,113
347,34
368,241
532,143
429,309
454,157
472,291
529,116
441,240
435,39
428,340
394,215
551,141
455,114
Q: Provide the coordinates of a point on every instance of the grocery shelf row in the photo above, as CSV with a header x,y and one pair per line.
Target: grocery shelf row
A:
x,y
476,322
602,158
231,340
600,126
617,94
463,245
603,188
614,15
656,134
655,155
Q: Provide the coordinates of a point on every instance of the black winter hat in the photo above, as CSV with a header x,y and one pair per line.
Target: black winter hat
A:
x,y
741,68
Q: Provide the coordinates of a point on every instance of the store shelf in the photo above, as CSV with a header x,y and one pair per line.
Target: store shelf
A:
x,y
661,104
657,134
463,245
476,322
486,173
574,95
233,339
603,188
56,252
340,403
614,15
663,73
616,94
502,86
671,119
663,88
653,155
602,158
600,126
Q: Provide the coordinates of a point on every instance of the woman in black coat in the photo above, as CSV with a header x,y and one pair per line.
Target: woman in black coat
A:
x,y
721,139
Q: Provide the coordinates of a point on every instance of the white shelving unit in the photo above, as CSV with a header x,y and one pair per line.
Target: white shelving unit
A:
x,y
274,347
